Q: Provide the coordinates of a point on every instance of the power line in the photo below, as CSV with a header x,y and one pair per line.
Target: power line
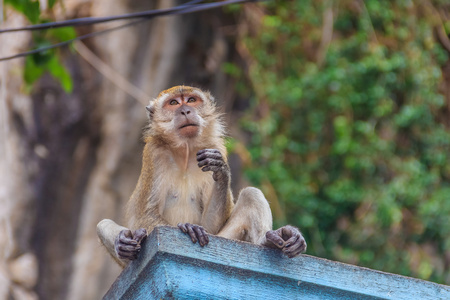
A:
x,y
186,8
181,9
81,37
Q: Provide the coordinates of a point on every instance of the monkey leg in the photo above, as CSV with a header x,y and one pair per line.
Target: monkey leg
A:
x,y
107,231
250,219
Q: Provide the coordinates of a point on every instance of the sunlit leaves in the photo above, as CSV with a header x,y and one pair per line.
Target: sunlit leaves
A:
x,y
49,60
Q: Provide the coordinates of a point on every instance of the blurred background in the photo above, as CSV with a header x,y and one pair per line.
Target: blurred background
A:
x,y
338,110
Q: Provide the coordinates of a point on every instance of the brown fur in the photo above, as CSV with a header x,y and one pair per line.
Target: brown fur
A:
x,y
144,207
173,189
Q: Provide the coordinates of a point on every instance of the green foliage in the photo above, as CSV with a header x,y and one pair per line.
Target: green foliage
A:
x,y
48,61
355,144
29,8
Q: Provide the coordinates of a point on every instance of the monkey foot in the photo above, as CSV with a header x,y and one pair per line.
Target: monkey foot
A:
x,y
288,239
128,244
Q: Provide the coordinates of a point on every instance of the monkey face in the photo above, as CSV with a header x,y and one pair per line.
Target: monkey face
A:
x,y
186,119
183,114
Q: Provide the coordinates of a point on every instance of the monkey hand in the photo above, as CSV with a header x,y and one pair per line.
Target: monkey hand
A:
x,y
287,238
196,232
212,160
128,244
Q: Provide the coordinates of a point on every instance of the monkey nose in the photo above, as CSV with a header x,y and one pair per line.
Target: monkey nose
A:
x,y
185,112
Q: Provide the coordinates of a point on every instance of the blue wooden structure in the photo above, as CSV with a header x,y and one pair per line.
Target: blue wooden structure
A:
x,y
170,266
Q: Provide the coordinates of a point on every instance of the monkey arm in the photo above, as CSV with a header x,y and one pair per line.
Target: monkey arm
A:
x,y
218,209
141,210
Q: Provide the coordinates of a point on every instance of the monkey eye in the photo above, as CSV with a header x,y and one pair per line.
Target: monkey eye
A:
x,y
191,100
173,102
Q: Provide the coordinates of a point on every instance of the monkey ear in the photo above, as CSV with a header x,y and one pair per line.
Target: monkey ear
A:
x,y
150,110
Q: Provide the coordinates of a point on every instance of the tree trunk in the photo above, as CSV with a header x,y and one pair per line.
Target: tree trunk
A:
x,y
68,161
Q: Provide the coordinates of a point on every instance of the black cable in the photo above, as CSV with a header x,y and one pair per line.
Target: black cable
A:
x,y
81,37
188,7
181,9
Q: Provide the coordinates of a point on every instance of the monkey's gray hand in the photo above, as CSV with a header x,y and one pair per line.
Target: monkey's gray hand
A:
x,y
287,238
196,232
212,160
128,244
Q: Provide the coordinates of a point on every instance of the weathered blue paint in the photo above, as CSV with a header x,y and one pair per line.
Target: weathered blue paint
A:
x,y
171,267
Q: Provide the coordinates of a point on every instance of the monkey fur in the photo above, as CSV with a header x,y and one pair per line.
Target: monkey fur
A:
x,y
185,182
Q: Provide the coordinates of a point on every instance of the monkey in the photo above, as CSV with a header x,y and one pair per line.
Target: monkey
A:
x,y
185,182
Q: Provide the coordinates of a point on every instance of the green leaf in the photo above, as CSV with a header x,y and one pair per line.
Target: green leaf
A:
x,y
51,3
231,69
62,33
28,7
43,57
32,70
60,73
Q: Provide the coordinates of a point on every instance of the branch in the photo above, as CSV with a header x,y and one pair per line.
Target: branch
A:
x,y
111,74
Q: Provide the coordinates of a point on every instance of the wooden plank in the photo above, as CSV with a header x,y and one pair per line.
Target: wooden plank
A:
x,y
171,267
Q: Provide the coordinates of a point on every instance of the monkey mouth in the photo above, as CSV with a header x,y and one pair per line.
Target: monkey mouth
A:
x,y
188,125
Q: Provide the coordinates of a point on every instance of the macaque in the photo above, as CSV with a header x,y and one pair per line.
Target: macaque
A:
x,y
185,182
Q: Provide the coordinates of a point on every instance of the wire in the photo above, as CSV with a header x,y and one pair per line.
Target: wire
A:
x,y
108,72
81,37
186,8
181,9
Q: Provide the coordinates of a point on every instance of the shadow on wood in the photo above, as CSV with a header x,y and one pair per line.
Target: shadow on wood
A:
x,y
170,266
